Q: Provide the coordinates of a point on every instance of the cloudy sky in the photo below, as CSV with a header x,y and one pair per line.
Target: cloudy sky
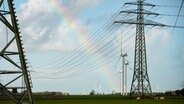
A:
x,y
74,46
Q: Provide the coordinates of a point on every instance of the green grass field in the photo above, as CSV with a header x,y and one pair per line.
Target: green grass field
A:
x,y
101,100
104,101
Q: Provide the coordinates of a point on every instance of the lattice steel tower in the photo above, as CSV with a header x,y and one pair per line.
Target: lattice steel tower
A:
x,y
13,53
140,83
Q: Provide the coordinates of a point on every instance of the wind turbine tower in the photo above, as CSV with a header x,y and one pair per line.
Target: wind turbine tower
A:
x,y
122,71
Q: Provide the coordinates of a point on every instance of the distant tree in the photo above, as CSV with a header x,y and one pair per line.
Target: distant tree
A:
x,y
168,93
53,93
92,92
182,92
178,92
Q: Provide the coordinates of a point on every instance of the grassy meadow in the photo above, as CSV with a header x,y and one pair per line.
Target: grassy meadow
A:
x,y
100,100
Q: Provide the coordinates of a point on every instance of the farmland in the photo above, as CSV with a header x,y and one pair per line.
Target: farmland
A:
x,y
100,100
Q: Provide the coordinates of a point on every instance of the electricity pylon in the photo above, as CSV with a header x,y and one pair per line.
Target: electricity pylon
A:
x,y
140,83
13,53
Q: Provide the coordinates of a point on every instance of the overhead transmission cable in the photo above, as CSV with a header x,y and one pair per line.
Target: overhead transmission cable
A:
x,y
87,66
177,16
129,44
79,54
76,59
73,59
81,57
94,57
90,68
86,42
172,6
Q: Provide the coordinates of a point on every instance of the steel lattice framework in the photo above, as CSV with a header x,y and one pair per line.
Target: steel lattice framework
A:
x,y
140,82
15,57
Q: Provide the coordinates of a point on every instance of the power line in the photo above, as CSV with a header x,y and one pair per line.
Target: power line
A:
x,y
83,67
86,42
68,58
74,60
88,67
77,62
173,15
82,59
177,16
98,50
172,6
88,64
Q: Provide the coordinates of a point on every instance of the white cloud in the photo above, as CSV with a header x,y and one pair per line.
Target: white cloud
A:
x,y
44,28
80,5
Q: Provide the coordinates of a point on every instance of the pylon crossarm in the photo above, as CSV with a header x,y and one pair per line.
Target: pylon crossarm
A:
x,y
138,3
145,23
135,11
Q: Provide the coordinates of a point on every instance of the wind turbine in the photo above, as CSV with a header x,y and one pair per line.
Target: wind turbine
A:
x,y
122,70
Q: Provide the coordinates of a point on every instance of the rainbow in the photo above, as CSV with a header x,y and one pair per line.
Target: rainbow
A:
x,y
68,16
105,72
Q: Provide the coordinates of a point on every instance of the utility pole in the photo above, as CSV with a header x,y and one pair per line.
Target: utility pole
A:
x,y
11,56
140,82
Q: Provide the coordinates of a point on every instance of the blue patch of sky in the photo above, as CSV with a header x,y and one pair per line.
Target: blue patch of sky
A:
x,y
18,3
